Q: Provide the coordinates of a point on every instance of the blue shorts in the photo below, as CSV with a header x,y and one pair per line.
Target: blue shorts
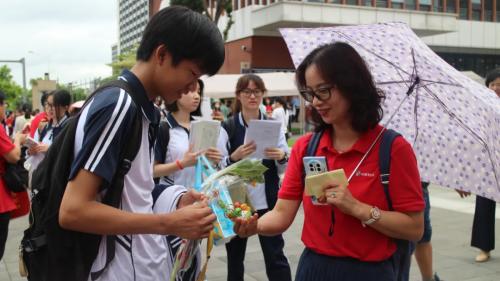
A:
x,y
427,217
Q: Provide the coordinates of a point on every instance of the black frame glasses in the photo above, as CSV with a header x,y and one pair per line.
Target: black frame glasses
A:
x,y
322,93
249,92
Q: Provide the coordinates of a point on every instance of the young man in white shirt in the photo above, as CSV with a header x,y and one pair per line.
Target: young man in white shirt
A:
x,y
178,46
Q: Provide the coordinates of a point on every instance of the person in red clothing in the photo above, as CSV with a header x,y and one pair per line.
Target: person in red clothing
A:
x,y
11,153
40,117
351,237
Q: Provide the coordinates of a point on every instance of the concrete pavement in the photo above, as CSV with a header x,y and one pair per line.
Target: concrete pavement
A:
x,y
453,257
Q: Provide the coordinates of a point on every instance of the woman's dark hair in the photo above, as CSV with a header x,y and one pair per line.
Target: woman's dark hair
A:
x,y
44,97
174,108
342,67
62,98
491,76
242,84
281,101
187,35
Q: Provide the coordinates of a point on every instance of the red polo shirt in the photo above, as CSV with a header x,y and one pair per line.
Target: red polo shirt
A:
x,y
6,202
350,238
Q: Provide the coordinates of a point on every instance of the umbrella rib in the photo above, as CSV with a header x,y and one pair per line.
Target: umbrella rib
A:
x,y
465,127
415,113
394,82
430,82
373,53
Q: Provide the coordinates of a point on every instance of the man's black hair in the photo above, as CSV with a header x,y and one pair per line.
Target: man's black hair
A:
x,y
62,98
187,35
491,76
3,97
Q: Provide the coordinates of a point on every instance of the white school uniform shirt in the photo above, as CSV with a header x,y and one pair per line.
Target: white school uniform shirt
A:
x,y
279,114
177,146
166,202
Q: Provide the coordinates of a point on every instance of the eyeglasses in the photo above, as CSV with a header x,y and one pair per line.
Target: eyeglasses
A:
x,y
49,105
322,93
248,92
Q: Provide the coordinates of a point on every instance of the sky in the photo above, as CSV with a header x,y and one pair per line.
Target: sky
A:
x,y
69,39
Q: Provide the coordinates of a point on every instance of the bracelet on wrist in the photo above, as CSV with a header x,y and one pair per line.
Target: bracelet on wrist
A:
x,y
179,165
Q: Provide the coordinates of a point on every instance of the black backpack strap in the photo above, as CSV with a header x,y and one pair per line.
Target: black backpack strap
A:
x,y
114,194
388,137
164,131
312,146
230,126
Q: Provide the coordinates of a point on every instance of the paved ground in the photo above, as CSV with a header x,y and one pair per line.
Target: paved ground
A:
x,y
451,218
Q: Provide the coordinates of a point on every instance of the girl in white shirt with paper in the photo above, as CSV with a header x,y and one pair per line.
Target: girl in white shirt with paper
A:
x,y
250,90
174,165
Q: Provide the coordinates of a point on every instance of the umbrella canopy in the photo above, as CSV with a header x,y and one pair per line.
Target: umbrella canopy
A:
x,y
277,84
452,121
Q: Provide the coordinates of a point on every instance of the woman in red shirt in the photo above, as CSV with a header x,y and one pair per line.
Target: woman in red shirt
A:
x,y
10,152
350,238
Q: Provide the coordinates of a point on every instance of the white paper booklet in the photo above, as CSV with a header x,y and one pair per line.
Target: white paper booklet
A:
x,y
265,134
204,134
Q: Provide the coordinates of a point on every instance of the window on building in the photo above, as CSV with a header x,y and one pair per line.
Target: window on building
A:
x,y
351,2
451,6
476,9
464,9
332,1
498,10
397,4
425,5
437,5
381,3
410,4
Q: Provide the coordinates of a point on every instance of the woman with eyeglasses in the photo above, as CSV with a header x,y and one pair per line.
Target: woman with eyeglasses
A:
x,y
56,107
250,90
351,237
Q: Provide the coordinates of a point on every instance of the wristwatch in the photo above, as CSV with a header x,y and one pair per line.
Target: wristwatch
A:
x,y
284,160
374,216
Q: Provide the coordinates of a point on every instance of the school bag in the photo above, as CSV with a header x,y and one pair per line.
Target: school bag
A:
x,y
402,256
49,252
15,175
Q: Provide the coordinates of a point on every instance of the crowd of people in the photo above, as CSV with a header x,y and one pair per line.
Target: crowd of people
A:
x,y
352,232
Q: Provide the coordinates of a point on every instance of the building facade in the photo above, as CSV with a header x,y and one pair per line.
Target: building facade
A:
x,y
133,16
466,33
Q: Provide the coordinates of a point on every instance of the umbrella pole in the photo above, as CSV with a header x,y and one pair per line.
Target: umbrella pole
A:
x,y
408,93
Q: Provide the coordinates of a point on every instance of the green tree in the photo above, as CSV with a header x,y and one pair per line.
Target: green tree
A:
x,y
77,94
220,8
13,91
125,61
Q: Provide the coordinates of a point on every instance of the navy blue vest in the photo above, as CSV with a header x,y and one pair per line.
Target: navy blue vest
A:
x,y
271,177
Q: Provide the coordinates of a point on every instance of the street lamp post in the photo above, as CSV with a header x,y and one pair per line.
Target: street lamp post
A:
x,y
23,62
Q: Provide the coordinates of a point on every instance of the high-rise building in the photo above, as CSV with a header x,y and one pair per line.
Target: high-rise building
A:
x,y
466,33
133,16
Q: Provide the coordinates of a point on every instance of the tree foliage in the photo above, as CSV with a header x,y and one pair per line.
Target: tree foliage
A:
x,y
220,8
125,61
77,94
13,91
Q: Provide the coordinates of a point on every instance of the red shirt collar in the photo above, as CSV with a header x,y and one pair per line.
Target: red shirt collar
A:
x,y
361,145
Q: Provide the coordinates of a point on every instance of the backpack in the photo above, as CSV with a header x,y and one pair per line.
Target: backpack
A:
x,y
402,256
49,252
16,176
163,131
